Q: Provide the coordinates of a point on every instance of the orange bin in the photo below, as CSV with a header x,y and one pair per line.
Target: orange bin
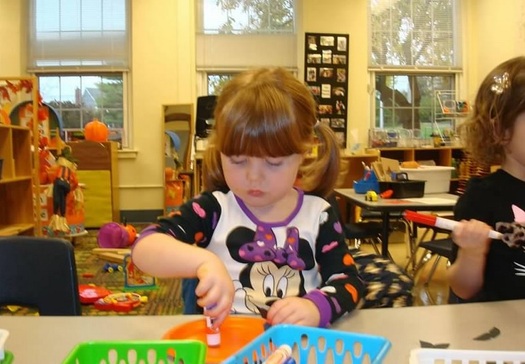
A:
x,y
236,332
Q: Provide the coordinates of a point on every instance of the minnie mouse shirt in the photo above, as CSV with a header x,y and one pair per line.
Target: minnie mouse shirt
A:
x,y
304,255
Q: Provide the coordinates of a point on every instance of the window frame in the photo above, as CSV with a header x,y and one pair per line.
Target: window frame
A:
x,y
124,141
453,70
109,63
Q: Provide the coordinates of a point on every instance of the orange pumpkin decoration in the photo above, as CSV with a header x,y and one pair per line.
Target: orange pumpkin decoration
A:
x,y
132,233
96,131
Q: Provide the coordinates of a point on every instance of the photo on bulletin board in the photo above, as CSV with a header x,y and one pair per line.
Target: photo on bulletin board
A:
x,y
326,74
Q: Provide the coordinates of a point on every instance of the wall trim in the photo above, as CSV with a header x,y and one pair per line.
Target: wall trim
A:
x,y
140,216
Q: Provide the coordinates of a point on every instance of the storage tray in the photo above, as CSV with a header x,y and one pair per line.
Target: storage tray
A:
x,y
314,345
440,356
403,189
128,352
363,186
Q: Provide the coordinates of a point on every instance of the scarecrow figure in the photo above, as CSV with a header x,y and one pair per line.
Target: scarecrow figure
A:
x,y
65,181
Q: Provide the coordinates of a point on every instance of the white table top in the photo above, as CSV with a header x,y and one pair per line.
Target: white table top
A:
x,y
430,202
50,339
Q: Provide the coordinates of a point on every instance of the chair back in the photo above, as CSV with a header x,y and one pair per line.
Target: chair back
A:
x,y
40,273
178,119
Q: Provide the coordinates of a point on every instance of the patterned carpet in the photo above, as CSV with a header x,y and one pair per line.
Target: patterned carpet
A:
x,y
165,299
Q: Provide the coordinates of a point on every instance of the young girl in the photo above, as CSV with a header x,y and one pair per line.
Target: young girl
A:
x,y
485,269
257,243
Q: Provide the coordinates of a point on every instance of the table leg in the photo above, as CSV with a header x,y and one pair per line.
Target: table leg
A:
x,y
386,233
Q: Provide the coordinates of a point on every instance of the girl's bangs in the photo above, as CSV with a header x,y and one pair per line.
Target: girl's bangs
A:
x,y
259,138
270,134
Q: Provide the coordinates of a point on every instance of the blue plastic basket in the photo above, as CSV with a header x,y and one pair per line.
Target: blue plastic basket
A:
x,y
369,184
363,186
314,345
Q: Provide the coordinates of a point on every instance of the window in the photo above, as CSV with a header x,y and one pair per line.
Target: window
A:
x,y
78,99
247,29
80,52
216,81
413,54
244,17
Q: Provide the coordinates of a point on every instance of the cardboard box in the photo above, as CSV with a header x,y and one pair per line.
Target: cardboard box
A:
x,y
437,177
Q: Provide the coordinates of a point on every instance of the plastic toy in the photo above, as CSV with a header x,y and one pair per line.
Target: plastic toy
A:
x,y
112,267
112,235
120,302
387,194
115,235
90,293
134,278
371,196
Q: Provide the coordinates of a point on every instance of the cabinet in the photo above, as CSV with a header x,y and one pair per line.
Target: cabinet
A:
x,y
97,169
19,215
16,181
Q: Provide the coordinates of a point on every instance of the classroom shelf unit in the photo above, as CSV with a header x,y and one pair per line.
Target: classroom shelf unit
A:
x,y
19,215
441,156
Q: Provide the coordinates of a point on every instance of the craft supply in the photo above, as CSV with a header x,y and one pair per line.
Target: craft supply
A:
x,y
3,337
439,222
279,356
213,335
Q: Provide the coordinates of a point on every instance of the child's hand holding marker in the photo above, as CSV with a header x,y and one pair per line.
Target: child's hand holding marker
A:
x,y
440,222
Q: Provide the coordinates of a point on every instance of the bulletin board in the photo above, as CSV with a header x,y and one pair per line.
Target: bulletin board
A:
x,y
326,74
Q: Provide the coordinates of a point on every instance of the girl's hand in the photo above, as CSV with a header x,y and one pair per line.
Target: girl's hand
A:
x,y
472,237
294,310
215,290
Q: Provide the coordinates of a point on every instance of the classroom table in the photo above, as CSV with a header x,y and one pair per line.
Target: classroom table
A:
x,y
429,202
49,339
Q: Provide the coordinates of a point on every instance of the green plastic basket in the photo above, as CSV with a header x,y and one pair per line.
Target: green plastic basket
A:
x,y
8,357
161,351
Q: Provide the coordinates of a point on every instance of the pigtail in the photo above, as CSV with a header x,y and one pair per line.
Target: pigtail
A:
x,y
212,176
320,175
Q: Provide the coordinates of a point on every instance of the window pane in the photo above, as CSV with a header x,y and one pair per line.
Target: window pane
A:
x,y
80,99
217,81
76,33
407,101
241,17
414,32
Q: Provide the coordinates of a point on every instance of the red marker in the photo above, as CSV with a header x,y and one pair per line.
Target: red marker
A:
x,y
439,222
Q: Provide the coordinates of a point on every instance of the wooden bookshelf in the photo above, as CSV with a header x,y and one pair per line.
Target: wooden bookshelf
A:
x,y
19,214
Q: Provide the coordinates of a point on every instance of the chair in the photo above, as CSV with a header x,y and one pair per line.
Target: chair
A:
x,y
178,119
41,273
360,232
434,247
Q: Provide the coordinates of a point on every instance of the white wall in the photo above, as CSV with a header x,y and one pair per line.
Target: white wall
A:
x,y
497,33
347,17
163,68
10,45
163,72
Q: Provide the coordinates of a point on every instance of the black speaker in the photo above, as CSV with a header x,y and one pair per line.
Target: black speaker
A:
x,y
204,121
